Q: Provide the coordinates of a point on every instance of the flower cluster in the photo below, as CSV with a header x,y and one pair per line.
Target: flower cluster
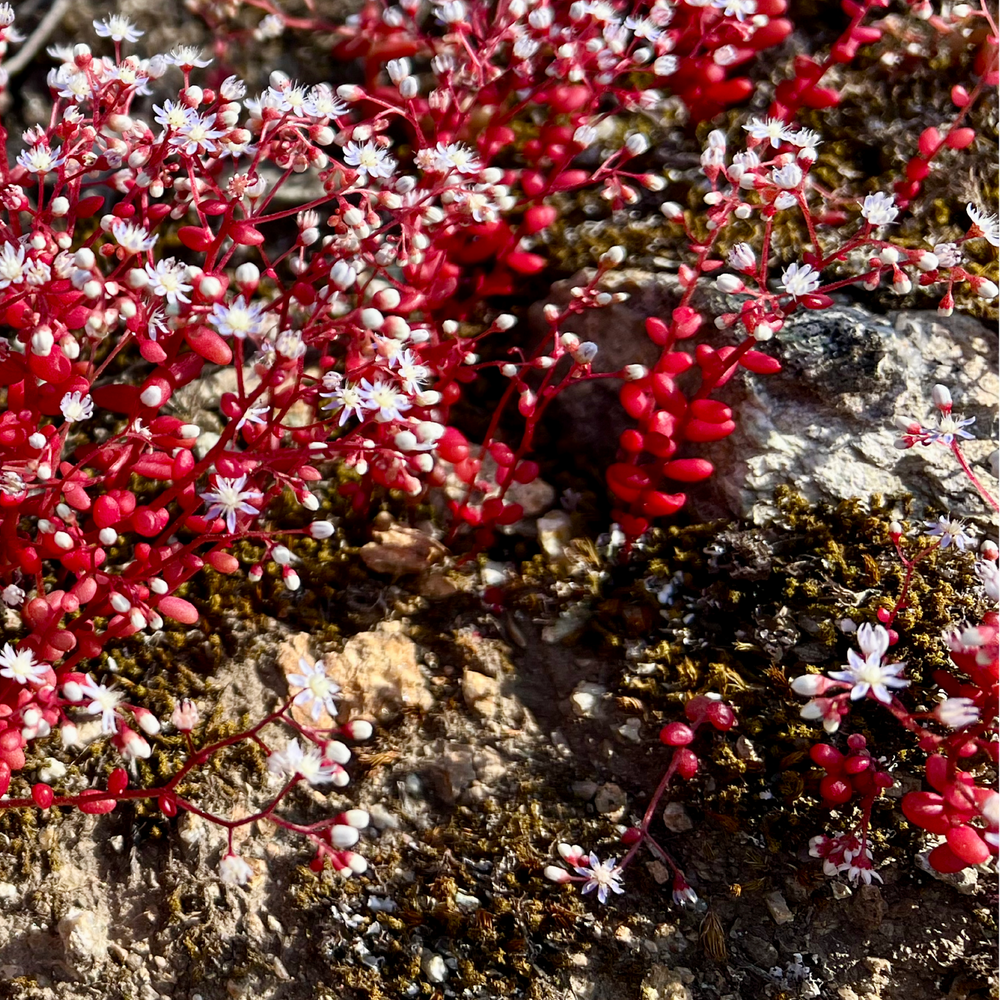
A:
x,y
708,710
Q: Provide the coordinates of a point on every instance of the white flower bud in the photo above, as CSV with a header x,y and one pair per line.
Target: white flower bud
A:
x,y
635,372
107,536
729,284
941,396
636,144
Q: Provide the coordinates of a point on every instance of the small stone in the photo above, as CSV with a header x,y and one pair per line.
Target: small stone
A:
x,y
381,818
585,790
8,890
661,875
554,533
480,692
586,699
398,550
433,966
664,983
51,770
630,730
609,797
466,903
841,890
780,913
85,937
676,818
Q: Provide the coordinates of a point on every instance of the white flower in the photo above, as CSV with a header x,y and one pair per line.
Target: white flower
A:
x,y
736,8
951,532
172,116
255,415
741,257
369,159
167,279
879,209
870,673
187,57
799,279
457,156
118,29
383,397
229,499
318,691
197,135
12,595
957,713
322,103
132,238
11,265
20,665
346,398
805,138
600,875
986,223
788,176
238,319
76,406
311,766
103,701
774,130
233,870
989,574
39,160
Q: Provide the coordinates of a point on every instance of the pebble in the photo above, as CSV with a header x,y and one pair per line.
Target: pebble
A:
x,y
780,912
433,967
609,797
586,699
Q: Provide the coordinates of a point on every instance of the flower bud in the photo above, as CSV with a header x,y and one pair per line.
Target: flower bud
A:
x,y
729,284
941,397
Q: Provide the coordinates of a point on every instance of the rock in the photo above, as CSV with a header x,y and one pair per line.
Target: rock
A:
x,y
762,952
433,966
778,908
586,699
461,771
480,692
664,983
868,908
555,530
609,798
84,936
397,550
379,673
676,818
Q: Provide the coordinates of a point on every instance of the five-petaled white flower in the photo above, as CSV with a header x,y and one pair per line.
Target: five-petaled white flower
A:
x,y
20,665
187,57
168,279
39,159
104,701
369,159
318,692
600,875
346,398
238,319
76,406
172,116
957,713
197,135
870,673
986,223
11,265
385,399
132,238
230,499
736,8
799,279
774,130
457,156
309,764
879,209
118,29
951,532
